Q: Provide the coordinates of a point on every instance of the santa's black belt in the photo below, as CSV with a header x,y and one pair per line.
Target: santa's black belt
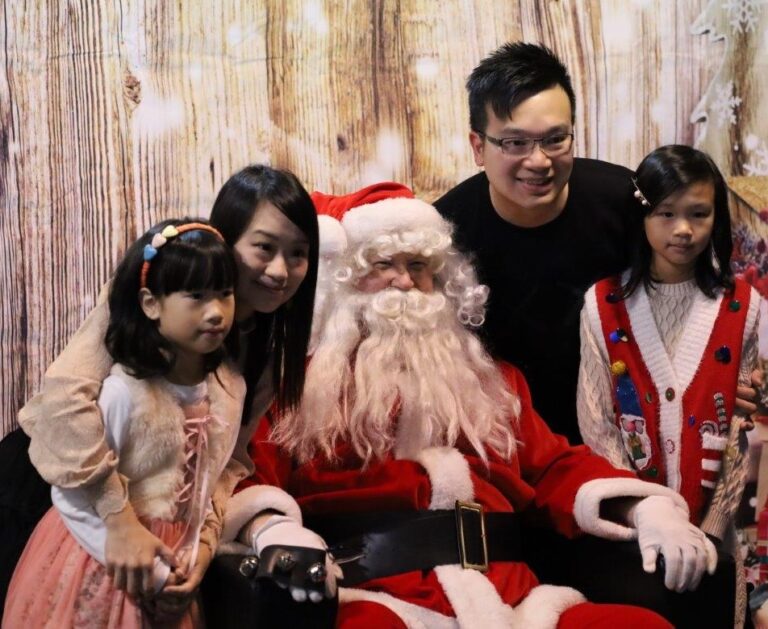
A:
x,y
374,545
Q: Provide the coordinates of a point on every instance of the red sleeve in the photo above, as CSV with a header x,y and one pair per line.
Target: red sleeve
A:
x,y
554,468
272,465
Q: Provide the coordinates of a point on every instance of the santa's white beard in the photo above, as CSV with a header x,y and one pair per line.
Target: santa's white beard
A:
x,y
395,371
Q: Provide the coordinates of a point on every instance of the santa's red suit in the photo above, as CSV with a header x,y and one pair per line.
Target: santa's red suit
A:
x,y
564,484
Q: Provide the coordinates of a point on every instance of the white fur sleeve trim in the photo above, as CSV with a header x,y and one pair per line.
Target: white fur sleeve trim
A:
x,y
253,500
586,509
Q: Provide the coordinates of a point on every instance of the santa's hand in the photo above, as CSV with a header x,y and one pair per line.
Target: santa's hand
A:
x,y
664,529
296,558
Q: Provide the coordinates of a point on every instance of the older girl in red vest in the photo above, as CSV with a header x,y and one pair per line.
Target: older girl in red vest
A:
x,y
664,346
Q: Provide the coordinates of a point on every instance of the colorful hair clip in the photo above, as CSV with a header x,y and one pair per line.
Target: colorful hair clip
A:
x,y
639,195
158,240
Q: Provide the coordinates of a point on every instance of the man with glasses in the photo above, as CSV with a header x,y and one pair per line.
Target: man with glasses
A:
x,y
543,227
542,224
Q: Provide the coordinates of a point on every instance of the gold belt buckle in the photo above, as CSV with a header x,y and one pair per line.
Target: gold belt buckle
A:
x,y
471,509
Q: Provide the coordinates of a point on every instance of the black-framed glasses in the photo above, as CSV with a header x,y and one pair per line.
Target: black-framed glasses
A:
x,y
552,145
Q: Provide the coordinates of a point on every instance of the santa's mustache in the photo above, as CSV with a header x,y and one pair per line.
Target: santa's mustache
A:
x,y
409,310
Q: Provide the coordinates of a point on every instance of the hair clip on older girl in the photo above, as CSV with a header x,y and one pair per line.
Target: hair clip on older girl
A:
x,y
160,239
639,195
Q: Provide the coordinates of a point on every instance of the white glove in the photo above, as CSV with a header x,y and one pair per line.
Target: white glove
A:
x,y
282,530
663,528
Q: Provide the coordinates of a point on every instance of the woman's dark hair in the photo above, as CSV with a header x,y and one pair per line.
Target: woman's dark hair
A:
x,y
282,334
666,171
195,260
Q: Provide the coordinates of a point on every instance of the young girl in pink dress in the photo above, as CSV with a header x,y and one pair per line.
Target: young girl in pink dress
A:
x,y
171,409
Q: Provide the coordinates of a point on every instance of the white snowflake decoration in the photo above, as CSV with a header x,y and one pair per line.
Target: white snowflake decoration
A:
x,y
743,14
725,104
758,156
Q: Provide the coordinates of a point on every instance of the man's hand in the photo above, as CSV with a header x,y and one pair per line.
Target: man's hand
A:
x,y
747,397
130,553
760,617
664,529
282,530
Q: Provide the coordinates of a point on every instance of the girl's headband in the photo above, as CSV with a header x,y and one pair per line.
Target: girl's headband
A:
x,y
168,233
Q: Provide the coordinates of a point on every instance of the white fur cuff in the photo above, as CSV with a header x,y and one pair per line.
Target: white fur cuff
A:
x,y
253,500
586,509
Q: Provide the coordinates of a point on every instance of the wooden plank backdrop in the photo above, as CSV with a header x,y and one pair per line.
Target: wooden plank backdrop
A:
x,y
114,115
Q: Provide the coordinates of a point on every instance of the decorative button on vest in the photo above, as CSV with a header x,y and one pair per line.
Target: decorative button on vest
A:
x,y
619,334
669,394
618,368
734,305
723,354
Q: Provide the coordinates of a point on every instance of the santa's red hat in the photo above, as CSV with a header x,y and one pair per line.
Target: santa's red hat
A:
x,y
356,218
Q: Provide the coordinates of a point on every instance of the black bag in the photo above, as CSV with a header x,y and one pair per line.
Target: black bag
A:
x,y
232,600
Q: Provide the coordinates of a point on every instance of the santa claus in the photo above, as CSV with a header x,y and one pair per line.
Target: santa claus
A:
x,y
413,453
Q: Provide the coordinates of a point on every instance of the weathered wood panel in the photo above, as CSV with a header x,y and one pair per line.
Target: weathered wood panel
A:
x,y
115,115
732,112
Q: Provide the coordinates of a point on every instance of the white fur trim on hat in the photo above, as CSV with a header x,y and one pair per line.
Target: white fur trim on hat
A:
x,y
333,238
365,222
586,508
250,502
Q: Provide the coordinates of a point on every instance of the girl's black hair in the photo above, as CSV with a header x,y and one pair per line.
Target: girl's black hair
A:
x,y
283,334
195,260
666,171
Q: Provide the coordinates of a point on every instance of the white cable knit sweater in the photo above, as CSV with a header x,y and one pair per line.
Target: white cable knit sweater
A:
x,y
671,305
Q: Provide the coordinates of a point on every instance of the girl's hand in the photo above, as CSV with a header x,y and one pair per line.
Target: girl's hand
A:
x,y
130,553
173,600
149,603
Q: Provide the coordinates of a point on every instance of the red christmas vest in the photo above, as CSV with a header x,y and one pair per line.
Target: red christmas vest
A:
x,y
695,428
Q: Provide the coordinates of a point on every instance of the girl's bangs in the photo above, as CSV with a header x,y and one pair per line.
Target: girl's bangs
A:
x,y
197,266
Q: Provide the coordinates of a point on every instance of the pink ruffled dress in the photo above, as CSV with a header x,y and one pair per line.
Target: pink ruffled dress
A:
x,y
58,584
